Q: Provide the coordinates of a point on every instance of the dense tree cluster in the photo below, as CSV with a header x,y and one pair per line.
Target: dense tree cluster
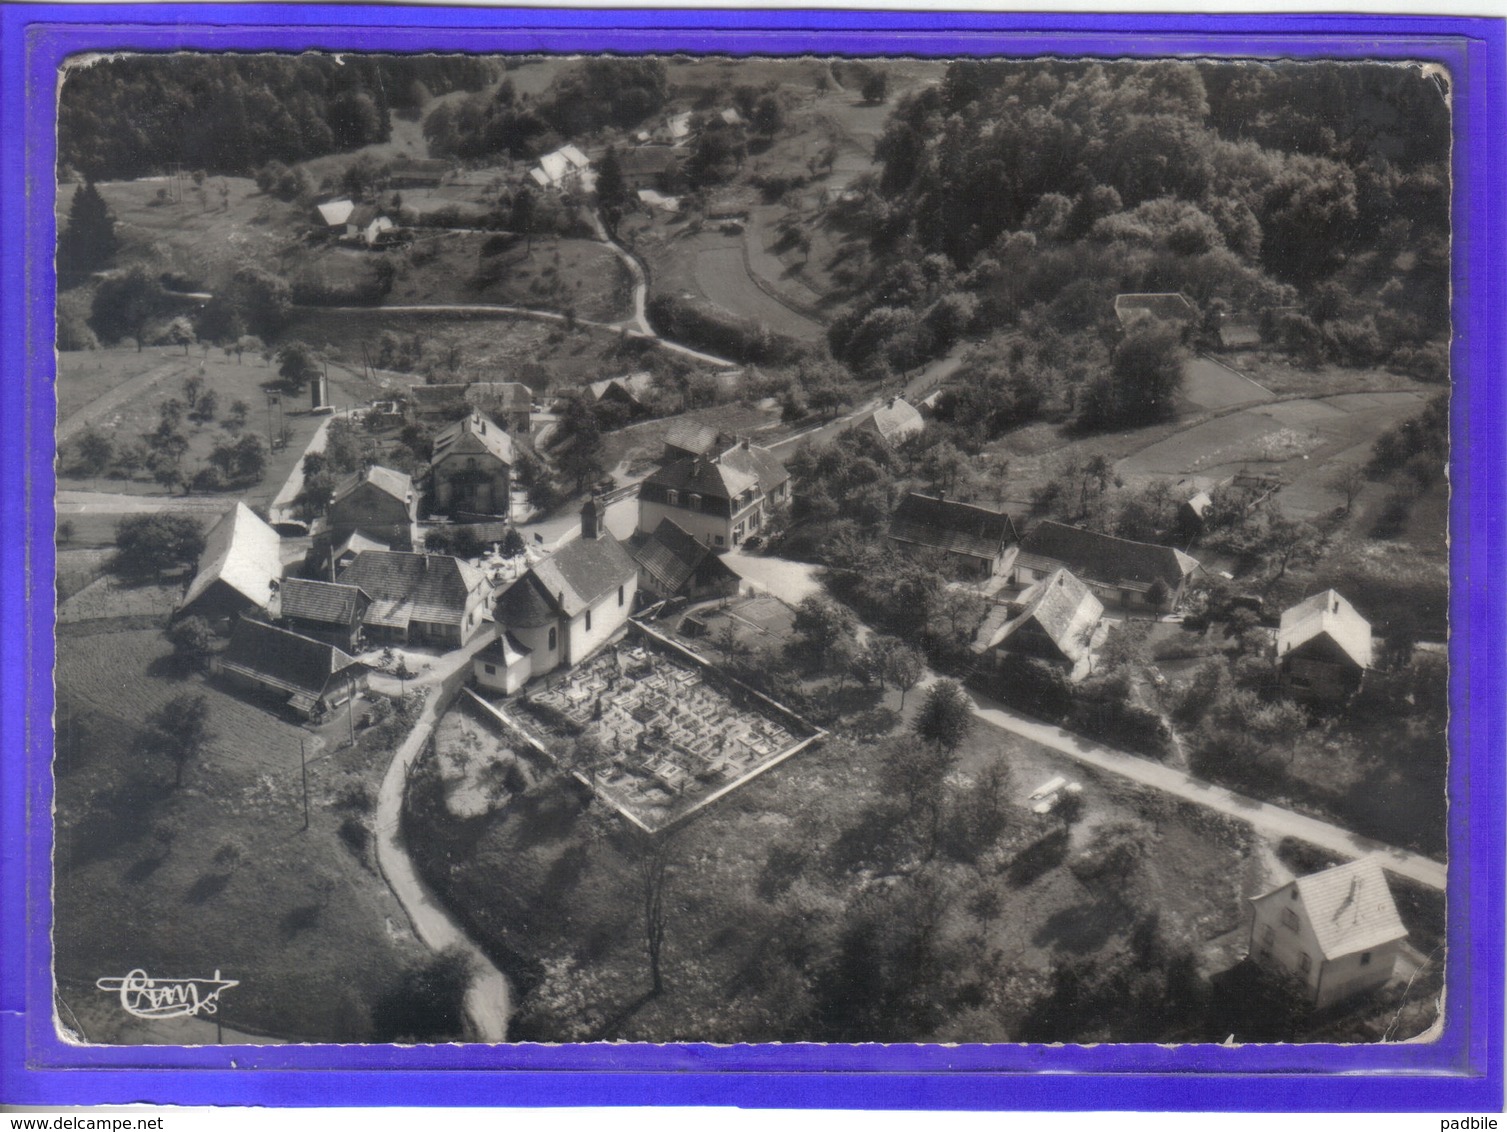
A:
x,y
1020,192
130,115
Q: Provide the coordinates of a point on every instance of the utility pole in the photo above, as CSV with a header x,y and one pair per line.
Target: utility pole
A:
x,y
350,715
303,763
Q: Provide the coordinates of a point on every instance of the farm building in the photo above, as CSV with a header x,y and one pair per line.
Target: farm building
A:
x,y
239,571
1054,620
326,611
565,168
1323,647
893,422
1337,931
671,563
344,553
1167,306
980,542
378,502
653,167
1120,571
307,675
631,391
675,130
471,468
720,500
509,403
431,599
567,605
333,215
690,438
406,172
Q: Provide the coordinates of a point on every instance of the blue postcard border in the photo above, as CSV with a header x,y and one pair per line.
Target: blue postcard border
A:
x,y
1461,1071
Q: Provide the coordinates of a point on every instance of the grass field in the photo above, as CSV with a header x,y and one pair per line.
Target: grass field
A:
x,y
557,274
219,874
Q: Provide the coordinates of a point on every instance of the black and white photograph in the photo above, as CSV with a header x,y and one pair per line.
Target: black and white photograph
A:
x,y
684,548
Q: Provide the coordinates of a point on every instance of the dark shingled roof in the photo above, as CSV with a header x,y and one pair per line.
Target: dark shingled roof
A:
x,y
583,571
282,658
399,485
669,556
328,602
946,524
406,586
704,477
760,463
697,439
525,604
476,435
1104,559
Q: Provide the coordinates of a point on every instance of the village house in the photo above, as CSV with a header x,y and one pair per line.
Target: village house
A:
x,y
422,599
309,676
239,571
719,500
632,391
671,563
1337,932
406,172
690,438
674,130
564,608
565,168
893,422
1055,620
979,542
326,611
508,403
471,468
1323,647
1173,307
654,167
343,553
378,502
1121,572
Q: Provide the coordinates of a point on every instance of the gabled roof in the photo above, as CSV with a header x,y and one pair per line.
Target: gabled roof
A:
x,y
1199,502
1170,306
328,602
406,586
895,421
669,556
582,571
283,658
758,462
474,433
703,477
697,439
399,485
336,213
356,543
637,386
730,116
946,524
242,552
573,155
1062,606
1349,906
1109,561
1330,614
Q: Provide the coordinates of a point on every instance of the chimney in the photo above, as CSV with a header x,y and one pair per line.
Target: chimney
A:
x,y
591,517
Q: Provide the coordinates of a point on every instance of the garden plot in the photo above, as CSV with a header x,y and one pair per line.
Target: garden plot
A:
x,y
1210,384
672,734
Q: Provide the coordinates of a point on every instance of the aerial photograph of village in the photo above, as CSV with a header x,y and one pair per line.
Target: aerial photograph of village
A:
x,y
706,549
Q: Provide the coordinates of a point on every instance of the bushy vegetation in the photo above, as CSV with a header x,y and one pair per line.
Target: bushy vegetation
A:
x,y
128,115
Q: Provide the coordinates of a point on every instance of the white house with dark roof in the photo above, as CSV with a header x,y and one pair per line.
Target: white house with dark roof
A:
x,y
566,606
1323,647
471,467
1338,931
979,541
239,571
430,599
1055,620
719,500
378,502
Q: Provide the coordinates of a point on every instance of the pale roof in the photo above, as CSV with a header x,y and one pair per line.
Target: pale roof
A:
x,y
244,553
336,212
484,435
896,420
574,156
1065,609
1350,907
399,485
1170,306
1328,614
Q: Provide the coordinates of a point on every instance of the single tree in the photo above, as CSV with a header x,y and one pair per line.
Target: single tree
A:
x,y
125,304
946,715
191,638
95,451
876,85
153,542
1349,481
655,855
89,242
612,189
903,667
180,730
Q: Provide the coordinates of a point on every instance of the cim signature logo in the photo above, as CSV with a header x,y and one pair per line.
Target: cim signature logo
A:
x,y
167,998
